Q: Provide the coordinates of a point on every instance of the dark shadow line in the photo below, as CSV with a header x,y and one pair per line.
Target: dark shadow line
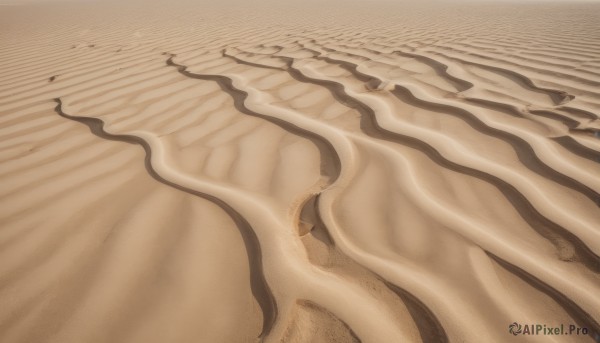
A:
x,y
258,283
581,317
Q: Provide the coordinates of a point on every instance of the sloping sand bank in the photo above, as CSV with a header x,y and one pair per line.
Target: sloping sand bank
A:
x,y
333,171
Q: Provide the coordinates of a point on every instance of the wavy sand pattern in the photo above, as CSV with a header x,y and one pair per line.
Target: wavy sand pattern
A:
x,y
339,171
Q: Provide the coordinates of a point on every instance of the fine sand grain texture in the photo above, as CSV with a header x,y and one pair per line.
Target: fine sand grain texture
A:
x,y
298,171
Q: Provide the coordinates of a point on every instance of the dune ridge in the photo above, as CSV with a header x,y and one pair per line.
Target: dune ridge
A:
x,y
309,172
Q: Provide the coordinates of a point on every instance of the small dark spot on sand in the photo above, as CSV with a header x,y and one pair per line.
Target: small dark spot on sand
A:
x,y
92,46
52,78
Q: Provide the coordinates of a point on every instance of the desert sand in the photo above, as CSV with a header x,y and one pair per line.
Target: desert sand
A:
x,y
298,171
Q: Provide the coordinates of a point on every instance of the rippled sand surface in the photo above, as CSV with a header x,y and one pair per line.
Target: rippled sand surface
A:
x,y
293,171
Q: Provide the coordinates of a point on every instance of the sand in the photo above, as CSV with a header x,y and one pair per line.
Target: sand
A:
x,y
298,171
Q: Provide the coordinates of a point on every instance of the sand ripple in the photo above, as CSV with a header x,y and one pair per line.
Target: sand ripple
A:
x,y
298,173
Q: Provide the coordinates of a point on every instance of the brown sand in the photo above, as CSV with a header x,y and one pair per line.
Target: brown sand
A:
x,y
287,171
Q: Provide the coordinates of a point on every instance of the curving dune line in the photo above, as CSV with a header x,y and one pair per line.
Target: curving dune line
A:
x,y
545,227
259,286
440,68
443,70
579,112
393,216
582,318
578,148
523,149
428,324
420,311
518,76
559,97
555,233
240,61
331,169
567,121
330,163
557,236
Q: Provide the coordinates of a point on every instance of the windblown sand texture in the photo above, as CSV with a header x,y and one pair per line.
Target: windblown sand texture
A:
x,y
298,171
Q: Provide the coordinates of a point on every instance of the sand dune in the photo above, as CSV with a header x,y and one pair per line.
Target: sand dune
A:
x,y
338,171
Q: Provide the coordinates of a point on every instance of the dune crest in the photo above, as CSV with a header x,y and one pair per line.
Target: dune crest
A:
x,y
337,171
